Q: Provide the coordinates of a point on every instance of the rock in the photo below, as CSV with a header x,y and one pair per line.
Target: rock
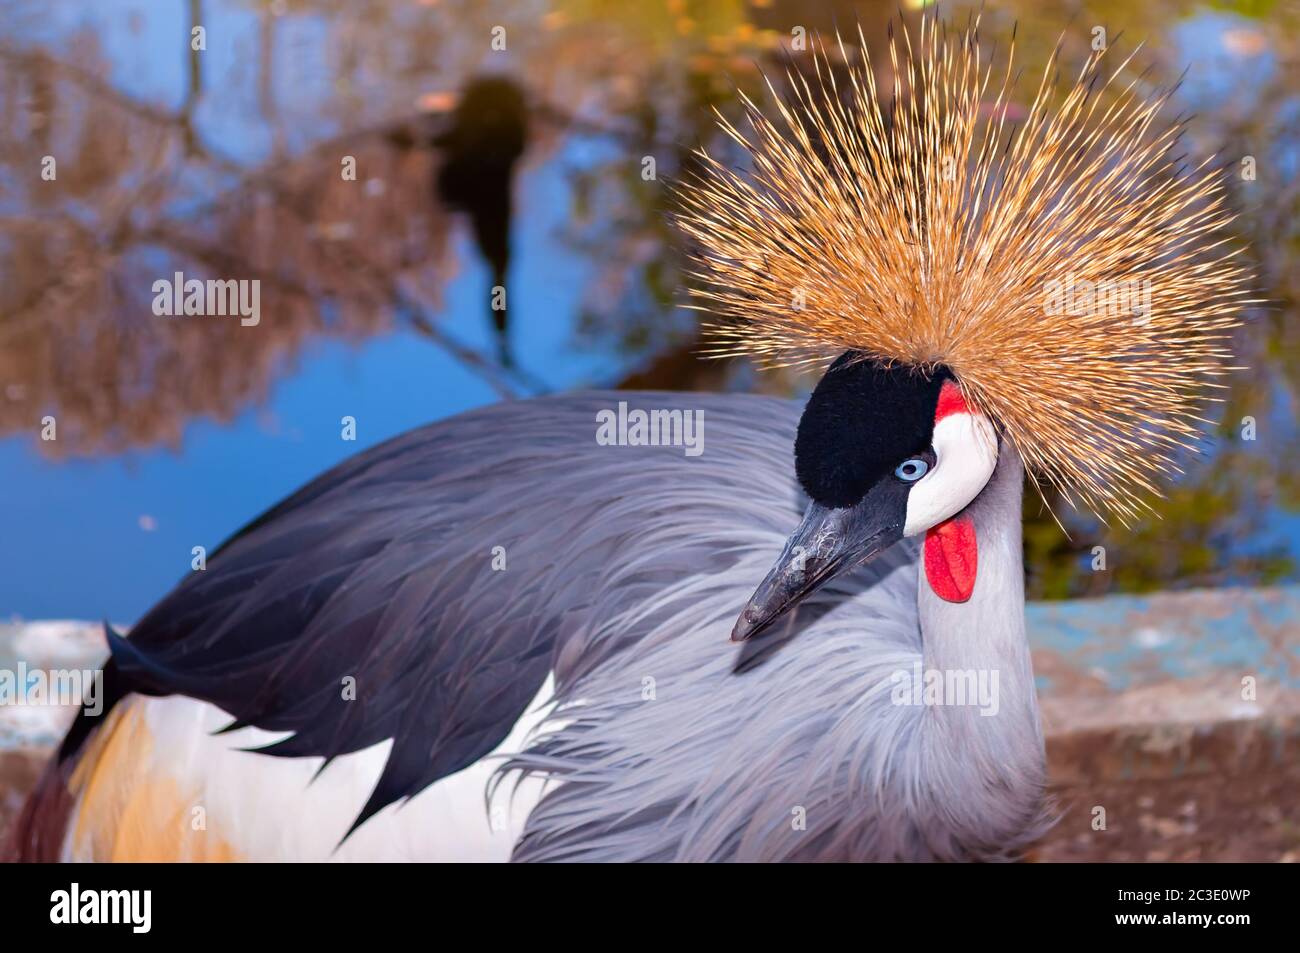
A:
x,y
1175,718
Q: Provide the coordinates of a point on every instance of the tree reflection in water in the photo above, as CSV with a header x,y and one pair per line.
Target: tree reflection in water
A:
x,y
439,126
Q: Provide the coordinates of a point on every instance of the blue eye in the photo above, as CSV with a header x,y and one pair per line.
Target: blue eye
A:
x,y
912,470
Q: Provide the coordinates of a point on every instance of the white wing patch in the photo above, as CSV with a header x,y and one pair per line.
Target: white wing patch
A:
x,y
276,809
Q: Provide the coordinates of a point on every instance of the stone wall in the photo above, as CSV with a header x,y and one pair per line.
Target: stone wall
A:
x,y
1173,720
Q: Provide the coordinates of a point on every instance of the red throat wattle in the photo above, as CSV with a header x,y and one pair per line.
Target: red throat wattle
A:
x,y
951,557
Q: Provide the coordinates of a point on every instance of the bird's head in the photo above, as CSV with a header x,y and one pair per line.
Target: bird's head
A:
x,y
922,230
883,453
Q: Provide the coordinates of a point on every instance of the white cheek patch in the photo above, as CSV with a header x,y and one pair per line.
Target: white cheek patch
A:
x,y
966,451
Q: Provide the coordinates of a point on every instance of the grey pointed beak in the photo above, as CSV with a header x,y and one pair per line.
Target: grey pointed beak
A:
x,y
827,543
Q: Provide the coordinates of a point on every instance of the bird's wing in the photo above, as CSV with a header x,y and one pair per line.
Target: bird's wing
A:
x,y
422,591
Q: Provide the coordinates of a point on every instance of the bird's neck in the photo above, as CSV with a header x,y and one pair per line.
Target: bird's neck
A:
x,y
989,628
994,739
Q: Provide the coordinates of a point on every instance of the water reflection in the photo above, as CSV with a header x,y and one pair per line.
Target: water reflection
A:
x,y
479,149
233,162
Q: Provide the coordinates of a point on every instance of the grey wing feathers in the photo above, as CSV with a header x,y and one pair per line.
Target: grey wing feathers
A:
x,y
382,570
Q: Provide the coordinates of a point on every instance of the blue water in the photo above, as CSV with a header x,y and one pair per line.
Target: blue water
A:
x,y
106,538
73,545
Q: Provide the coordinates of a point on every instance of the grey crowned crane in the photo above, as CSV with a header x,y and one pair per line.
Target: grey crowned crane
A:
x,y
498,637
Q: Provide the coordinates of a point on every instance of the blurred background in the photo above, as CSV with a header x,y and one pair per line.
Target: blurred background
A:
x,y
530,145
523,166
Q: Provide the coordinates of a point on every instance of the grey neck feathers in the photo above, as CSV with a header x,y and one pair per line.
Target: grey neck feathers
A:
x,y
994,753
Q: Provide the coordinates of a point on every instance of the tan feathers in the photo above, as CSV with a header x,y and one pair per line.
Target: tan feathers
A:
x,y
1073,278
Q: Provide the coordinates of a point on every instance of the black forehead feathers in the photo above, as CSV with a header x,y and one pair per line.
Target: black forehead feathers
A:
x,y
862,420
